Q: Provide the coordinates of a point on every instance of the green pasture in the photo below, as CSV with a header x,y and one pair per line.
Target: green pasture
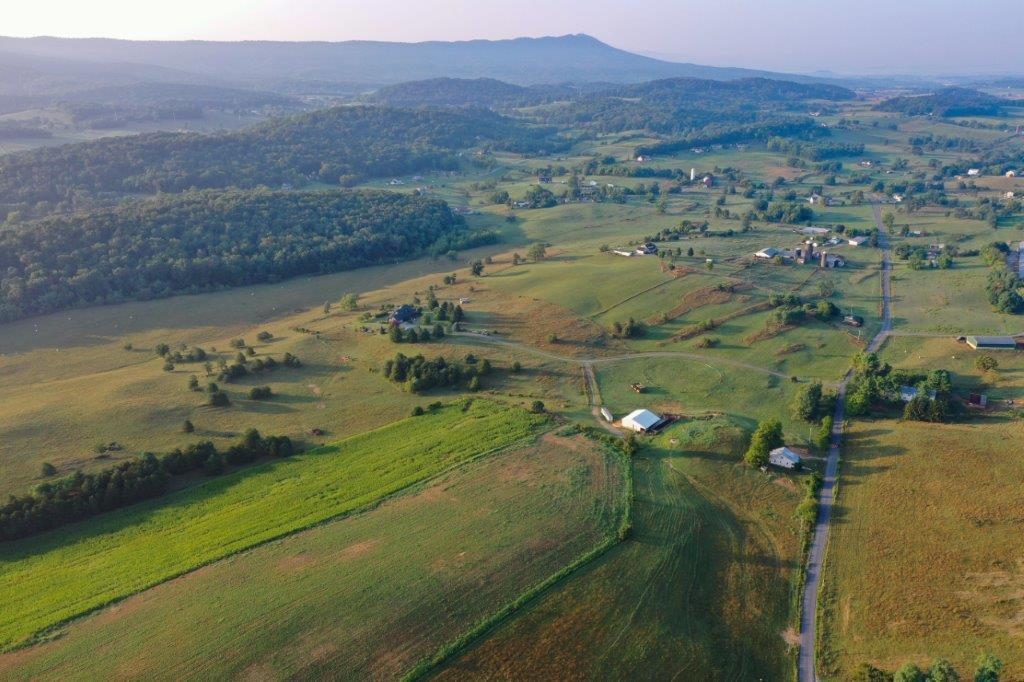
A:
x,y
73,570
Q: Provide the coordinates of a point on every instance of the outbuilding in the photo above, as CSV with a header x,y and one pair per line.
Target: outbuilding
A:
x,y
992,342
641,421
607,414
785,458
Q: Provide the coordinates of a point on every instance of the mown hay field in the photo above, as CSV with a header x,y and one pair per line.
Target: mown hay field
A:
x,y
926,557
701,590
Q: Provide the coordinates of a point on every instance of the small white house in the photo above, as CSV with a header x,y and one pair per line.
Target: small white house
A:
x,y
1011,173
973,172
784,457
640,421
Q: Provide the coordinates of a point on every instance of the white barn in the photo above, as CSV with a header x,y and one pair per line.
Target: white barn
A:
x,y
784,457
640,421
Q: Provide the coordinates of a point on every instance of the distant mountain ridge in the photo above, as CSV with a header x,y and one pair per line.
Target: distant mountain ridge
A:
x,y
522,61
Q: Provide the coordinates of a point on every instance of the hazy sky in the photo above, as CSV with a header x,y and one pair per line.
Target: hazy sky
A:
x,y
866,36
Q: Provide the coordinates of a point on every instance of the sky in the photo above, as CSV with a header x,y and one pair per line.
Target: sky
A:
x,y
806,36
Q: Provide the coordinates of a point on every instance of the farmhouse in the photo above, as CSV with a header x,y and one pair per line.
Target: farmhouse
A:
x,y
992,342
784,457
709,181
404,313
1011,173
973,172
641,421
907,393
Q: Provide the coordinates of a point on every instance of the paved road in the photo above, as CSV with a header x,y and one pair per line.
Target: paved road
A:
x,y
808,623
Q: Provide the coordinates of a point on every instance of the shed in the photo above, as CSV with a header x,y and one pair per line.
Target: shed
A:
x,y
785,458
907,393
857,241
607,414
641,421
768,253
992,342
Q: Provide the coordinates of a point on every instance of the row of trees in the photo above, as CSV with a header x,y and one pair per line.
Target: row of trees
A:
x,y
1002,286
81,495
988,669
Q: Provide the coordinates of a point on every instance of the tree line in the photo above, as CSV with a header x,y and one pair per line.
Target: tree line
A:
x,y
80,496
202,241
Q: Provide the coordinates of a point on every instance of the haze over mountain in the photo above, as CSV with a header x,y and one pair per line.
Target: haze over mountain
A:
x,y
523,61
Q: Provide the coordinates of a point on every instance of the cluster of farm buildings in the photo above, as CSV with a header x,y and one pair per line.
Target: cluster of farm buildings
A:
x,y
644,421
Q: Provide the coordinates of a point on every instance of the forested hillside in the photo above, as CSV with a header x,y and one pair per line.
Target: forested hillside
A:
x,y
338,145
198,241
485,93
948,102
682,106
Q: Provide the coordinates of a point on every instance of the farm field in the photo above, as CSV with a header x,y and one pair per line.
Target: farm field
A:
x,y
59,402
924,558
921,561
701,590
73,570
325,599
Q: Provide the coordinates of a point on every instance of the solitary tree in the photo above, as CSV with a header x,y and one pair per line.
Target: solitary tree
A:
x,y
767,437
807,402
350,301
477,268
988,669
188,427
48,469
942,671
537,252
908,672
986,363
537,407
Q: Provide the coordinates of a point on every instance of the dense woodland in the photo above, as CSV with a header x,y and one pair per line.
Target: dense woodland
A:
x,y
947,102
485,93
199,241
341,145
689,106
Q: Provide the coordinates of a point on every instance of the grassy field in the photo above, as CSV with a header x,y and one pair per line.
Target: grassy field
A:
x,y
326,600
701,590
70,571
924,559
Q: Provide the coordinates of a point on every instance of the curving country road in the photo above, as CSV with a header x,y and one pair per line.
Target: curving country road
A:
x,y
806,669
